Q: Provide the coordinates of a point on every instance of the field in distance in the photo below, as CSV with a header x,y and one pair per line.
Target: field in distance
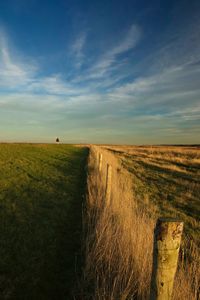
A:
x,y
41,192
166,181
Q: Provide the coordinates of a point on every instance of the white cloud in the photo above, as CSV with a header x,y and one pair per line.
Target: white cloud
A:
x,y
12,73
109,59
77,49
51,85
15,75
128,42
172,83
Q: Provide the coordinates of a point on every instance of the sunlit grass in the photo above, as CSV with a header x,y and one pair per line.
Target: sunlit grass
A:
x,y
166,180
146,183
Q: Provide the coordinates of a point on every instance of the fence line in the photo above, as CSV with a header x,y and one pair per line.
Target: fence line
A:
x,y
167,240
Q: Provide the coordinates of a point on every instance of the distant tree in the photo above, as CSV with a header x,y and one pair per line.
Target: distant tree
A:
x,y
57,140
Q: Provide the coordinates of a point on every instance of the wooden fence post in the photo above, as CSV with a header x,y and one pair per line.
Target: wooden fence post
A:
x,y
108,183
100,162
167,239
97,159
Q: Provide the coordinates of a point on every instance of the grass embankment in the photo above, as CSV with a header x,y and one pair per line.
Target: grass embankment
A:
x,y
41,192
146,183
167,182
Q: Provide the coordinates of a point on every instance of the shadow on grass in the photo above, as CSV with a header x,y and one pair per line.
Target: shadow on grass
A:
x,y
40,232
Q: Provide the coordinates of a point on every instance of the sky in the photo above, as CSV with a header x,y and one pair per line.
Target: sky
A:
x,y
91,71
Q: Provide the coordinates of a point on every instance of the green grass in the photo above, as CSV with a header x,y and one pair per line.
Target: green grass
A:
x,y
42,188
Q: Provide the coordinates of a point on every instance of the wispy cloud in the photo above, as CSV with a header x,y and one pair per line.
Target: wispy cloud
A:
x,y
97,100
77,49
53,85
165,91
13,73
109,59
129,41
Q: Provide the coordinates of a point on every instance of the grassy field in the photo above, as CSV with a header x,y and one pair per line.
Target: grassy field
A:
x,y
42,188
147,182
41,192
167,182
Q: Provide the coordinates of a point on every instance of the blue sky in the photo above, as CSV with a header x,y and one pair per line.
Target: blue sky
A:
x,y
104,71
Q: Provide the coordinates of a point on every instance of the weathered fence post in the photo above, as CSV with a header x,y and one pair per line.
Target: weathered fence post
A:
x,y
108,183
100,162
167,239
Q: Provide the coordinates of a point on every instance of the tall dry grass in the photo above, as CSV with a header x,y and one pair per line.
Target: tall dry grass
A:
x,y
167,181
119,240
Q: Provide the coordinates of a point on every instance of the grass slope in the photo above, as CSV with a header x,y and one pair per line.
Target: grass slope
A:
x,y
147,182
166,181
41,193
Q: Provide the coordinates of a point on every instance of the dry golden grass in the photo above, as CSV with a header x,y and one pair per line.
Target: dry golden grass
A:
x,y
119,235
167,180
